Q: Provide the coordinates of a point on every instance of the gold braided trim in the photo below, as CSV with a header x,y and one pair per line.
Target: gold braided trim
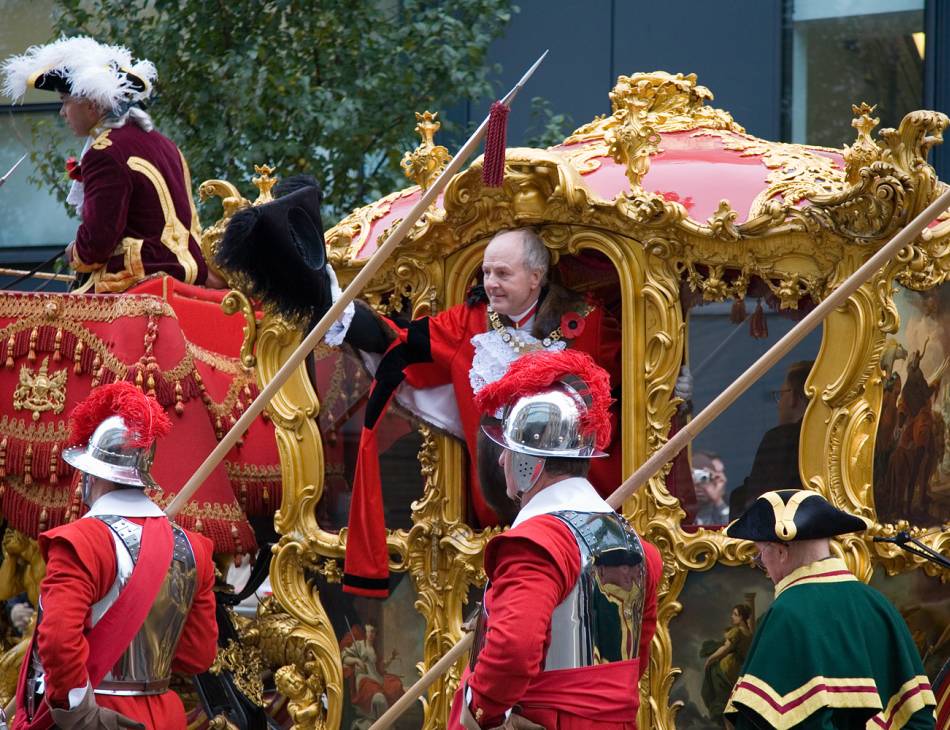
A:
x,y
204,510
785,711
252,472
46,308
43,495
27,431
89,340
229,365
831,570
915,694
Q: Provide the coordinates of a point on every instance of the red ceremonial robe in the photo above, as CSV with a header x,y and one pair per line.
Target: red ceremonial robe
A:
x,y
532,569
435,354
80,569
138,216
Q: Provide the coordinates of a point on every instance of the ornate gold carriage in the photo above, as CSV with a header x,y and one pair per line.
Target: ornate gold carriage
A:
x,y
662,207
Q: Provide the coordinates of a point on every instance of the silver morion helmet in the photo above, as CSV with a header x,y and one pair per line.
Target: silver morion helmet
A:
x,y
548,424
109,456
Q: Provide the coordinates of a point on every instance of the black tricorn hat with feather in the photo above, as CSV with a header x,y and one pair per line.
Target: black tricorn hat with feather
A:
x,y
279,249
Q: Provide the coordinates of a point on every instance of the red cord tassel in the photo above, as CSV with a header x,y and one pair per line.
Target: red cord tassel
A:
x,y
738,313
758,327
493,165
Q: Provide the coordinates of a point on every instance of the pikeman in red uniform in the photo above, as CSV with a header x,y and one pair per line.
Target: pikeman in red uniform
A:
x,y
131,187
127,596
570,607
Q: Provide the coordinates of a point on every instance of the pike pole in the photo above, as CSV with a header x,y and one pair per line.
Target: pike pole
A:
x,y
356,286
682,437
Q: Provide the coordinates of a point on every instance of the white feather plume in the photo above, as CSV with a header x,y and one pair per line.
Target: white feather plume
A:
x,y
94,70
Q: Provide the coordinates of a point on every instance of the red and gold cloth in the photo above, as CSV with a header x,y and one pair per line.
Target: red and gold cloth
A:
x,y
176,344
80,570
532,569
138,215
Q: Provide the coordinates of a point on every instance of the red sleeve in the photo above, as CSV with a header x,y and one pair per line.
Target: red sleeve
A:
x,y
528,580
648,629
107,187
80,569
199,638
442,334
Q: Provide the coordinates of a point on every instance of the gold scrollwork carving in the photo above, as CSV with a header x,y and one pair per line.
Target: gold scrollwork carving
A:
x,y
427,161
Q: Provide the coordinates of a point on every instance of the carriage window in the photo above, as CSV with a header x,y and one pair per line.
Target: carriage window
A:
x,y
875,51
753,446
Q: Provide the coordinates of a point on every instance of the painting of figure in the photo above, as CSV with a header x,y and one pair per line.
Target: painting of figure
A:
x,y
911,461
711,638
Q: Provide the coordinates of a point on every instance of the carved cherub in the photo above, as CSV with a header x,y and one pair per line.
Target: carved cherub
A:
x,y
303,705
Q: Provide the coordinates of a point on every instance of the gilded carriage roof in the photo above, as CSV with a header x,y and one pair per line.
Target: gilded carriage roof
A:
x,y
666,166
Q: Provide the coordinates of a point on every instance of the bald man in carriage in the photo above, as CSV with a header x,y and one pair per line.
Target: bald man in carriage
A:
x,y
131,186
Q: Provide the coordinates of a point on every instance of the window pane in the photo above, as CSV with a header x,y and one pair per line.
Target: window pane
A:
x,y
32,216
849,51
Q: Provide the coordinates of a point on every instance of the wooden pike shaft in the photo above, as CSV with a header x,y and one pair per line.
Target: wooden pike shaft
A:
x,y
422,684
316,334
679,441
37,274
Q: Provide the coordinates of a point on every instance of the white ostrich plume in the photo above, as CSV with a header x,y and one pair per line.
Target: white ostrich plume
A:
x,y
95,71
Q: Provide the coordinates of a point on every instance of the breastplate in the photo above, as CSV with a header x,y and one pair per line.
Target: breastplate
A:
x,y
145,666
600,619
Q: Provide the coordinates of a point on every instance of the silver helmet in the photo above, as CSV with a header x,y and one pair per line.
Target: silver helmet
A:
x,y
542,426
108,455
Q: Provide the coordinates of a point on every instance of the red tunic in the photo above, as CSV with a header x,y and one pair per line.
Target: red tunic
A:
x,y
138,216
450,343
80,570
532,568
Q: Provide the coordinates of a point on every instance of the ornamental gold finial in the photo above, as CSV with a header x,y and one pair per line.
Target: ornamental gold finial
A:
x,y
427,161
864,151
633,141
264,181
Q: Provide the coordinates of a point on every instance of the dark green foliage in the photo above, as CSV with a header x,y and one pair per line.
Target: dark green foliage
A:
x,y
326,88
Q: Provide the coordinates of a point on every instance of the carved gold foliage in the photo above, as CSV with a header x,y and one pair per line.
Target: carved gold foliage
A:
x,y
309,630
864,151
632,142
231,202
672,103
243,661
427,161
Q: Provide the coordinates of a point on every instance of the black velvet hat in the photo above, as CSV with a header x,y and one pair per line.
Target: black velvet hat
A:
x,y
793,514
279,249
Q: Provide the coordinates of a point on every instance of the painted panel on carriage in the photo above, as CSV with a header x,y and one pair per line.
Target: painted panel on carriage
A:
x,y
922,601
911,461
380,645
711,638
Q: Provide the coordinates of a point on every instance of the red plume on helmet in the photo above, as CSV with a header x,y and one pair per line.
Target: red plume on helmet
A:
x,y
536,371
143,415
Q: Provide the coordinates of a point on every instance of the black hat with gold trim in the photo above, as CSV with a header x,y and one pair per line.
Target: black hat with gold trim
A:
x,y
793,514
82,67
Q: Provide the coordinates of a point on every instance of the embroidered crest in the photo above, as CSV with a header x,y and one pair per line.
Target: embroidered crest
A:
x,y
40,391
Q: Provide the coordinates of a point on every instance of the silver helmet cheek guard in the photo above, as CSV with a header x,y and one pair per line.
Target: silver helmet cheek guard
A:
x,y
523,470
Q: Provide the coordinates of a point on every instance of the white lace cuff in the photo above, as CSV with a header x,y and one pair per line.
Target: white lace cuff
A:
x,y
336,333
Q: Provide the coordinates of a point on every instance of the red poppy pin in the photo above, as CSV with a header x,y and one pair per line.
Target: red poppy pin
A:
x,y
572,325
72,169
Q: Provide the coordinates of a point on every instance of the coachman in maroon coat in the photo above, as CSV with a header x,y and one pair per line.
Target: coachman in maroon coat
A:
x,y
131,187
